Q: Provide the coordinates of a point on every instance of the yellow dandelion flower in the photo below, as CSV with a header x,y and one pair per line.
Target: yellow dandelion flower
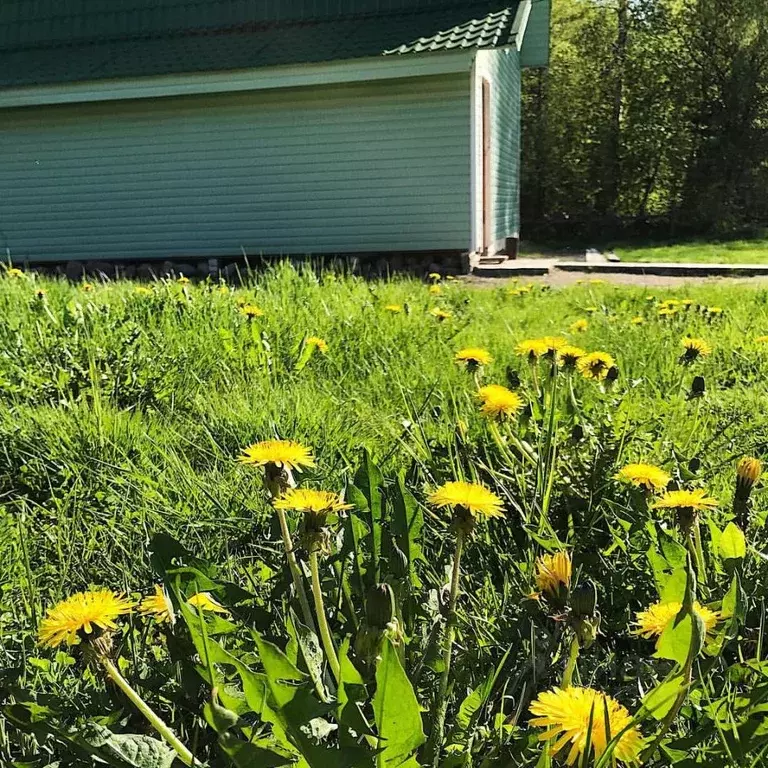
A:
x,y
473,356
554,343
440,314
695,348
761,339
478,500
241,301
696,499
157,605
205,602
570,355
308,500
668,312
181,280
394,308
552,572
142,290
532,348
224,289
591,310
644,476
282,453
595,365
656,618
251,311
40,294
566,715
87,287
686,303
14,272
499,402
315,341
513,292
81,613
749,470
637,320
435,290
579,326
715,310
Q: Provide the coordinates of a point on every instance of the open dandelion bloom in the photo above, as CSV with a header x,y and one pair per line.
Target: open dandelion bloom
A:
x,y
637,320
181,280
532,348
499,402
251,311
14,272
394,308
157,605
570,355
553,572
80,614
475,498
473,356
87,287
644,476
282,453
761,339
694,348
595,365
566,715
696,500
317,343
554,343
142,290
579,326
308,500
714,310
440,314
656,618
435,290
205,602
668,311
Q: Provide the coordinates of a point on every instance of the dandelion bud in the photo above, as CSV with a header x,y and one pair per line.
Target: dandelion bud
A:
x,y
612,376
698,387
380,608
380,623
748,472
584,600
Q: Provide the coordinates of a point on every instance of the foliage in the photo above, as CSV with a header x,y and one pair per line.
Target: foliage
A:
x,y
123,416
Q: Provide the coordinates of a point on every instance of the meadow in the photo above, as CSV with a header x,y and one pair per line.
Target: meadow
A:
x,y
568,568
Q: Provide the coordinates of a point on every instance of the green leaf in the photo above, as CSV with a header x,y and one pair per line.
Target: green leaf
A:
x,y
733,545
674,587
137,750
407,522
733,602
396,711
245,754
683,635
473,703
369,481
660,700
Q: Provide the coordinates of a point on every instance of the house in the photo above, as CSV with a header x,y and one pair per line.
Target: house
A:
x,y
154,129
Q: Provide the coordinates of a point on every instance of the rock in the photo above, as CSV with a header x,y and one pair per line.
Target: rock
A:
x,y
611,256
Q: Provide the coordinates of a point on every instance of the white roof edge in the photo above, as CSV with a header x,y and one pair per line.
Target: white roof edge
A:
x,y
521,21
264,78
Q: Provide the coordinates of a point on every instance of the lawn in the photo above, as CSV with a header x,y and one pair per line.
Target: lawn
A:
x,y
124,409
752,251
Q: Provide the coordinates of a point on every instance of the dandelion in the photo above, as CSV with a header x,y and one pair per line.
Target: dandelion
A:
x,y
224,290
84,614
656,618
761,339
142,290
554,344
637,320
669,304
321,345
569,355
590,310
157,606
394,308
435,290
567,715
666,312
14,272
686,303
579,326
473,357
595,365
714,310
251,311
696,500
694,348
40,294
513,292
205,602
499,402
532,348
87,287
644,476
440,314
596,281
284,454
749,470
181,280
477,500
310,501
553,576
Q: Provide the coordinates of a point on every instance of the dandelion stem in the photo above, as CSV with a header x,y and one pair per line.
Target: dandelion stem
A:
x,y
154,720
325,632
438,722
570,667
293,565
694,540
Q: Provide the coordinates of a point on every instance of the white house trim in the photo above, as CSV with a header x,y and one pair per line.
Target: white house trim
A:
x,y
521,21
291,76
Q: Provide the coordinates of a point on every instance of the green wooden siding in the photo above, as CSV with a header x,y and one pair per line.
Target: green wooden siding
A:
x,y
348,168
535,49
504,66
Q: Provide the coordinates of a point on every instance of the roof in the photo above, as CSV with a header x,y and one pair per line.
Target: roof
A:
x,y
468,25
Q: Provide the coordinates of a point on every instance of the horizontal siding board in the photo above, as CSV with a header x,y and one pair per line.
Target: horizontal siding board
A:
x,y
345,168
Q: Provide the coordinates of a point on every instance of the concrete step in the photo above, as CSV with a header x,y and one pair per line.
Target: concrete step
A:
x,y
665,269
514,268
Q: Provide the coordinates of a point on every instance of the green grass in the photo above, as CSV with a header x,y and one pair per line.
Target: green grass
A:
x,y
754,251
123,411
